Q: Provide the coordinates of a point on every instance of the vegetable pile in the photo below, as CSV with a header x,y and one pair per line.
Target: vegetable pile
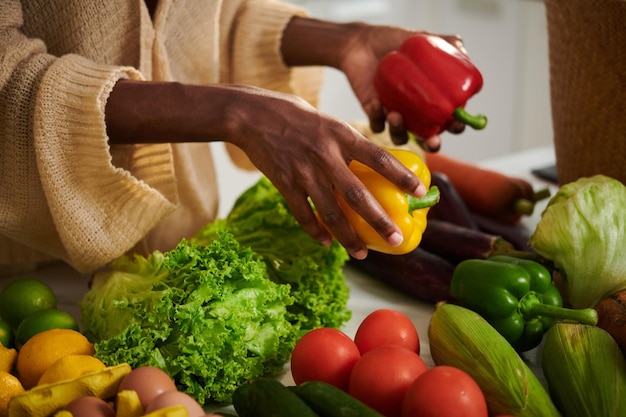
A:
x,y
502,301
464,224
379,373
223,308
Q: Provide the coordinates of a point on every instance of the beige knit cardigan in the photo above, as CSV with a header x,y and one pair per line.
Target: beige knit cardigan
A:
x,y
67,194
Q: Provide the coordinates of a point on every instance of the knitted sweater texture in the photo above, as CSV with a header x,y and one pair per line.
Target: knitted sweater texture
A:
x,y
66,193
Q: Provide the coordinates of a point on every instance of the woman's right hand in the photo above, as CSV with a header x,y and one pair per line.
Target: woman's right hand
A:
x,y
306,153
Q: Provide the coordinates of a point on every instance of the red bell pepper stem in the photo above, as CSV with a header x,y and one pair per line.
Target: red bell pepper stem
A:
x,y
477,121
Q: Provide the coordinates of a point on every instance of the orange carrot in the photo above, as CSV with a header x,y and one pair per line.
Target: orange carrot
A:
x,y
485,191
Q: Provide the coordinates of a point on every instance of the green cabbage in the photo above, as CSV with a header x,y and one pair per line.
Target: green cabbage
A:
x,y
583,231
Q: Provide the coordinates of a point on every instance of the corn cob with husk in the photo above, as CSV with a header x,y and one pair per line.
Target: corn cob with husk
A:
x,y
585,370
461,338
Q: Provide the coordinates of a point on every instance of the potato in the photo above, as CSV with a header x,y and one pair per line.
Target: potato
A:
x,y
612,317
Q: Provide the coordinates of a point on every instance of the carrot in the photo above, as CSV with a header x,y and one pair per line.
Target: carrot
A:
x,y
485,191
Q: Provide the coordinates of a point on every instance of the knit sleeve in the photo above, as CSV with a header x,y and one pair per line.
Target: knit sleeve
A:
x,y
101,210
256,50
62,197
256,57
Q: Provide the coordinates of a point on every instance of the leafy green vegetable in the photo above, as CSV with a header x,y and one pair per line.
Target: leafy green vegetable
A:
x,y
225,307
261,220
583,231
208,315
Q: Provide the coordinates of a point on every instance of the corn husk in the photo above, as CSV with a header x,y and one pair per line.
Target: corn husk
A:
x,y
462,338
585,370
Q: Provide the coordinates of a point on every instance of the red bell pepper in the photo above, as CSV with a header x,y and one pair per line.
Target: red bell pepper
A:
x,y
428,81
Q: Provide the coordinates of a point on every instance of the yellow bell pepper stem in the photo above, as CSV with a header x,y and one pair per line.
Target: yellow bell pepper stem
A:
x,y
428,200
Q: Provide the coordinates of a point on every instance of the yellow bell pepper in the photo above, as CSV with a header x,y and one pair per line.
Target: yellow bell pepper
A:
x,y
408,212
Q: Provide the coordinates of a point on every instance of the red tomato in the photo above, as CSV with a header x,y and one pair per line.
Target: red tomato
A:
x,y
386,326
326,355
383,375
444,391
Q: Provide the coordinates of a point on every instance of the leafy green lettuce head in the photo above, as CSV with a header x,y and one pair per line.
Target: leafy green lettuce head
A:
x,y
208,315
260,219
583,231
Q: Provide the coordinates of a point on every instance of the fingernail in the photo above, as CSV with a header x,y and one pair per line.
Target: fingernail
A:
x,y
420,190
360,254
428,147
395,239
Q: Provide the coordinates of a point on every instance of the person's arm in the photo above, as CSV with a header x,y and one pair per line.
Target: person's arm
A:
x,y
302,151
149,112
309,41
314,148
168,112
356,49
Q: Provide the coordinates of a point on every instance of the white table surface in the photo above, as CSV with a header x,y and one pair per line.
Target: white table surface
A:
x,y
367,294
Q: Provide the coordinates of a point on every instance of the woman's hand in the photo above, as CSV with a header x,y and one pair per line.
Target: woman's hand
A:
x,y
360,59
356,49
303,152
306,154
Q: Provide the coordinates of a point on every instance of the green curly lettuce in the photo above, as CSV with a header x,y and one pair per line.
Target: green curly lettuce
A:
x,y
583,231
261,220
209,315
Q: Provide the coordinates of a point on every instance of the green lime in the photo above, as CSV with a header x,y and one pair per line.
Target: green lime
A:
x,y
23,297
7,337
43,320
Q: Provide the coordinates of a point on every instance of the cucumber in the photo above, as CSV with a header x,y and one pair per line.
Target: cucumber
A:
x,y
266,397
330,401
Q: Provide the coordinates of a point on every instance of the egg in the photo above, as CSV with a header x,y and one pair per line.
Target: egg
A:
x,y
148,382
171,398
90,407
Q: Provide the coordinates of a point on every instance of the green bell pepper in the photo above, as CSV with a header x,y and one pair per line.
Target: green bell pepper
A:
x,y
516,296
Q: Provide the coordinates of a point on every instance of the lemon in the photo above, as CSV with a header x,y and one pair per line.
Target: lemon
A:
x,y
70,367
9,387
7,358
44,349
43,320
23,297
7,338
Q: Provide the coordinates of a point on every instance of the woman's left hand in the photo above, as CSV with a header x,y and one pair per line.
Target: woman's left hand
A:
x,y
359,60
